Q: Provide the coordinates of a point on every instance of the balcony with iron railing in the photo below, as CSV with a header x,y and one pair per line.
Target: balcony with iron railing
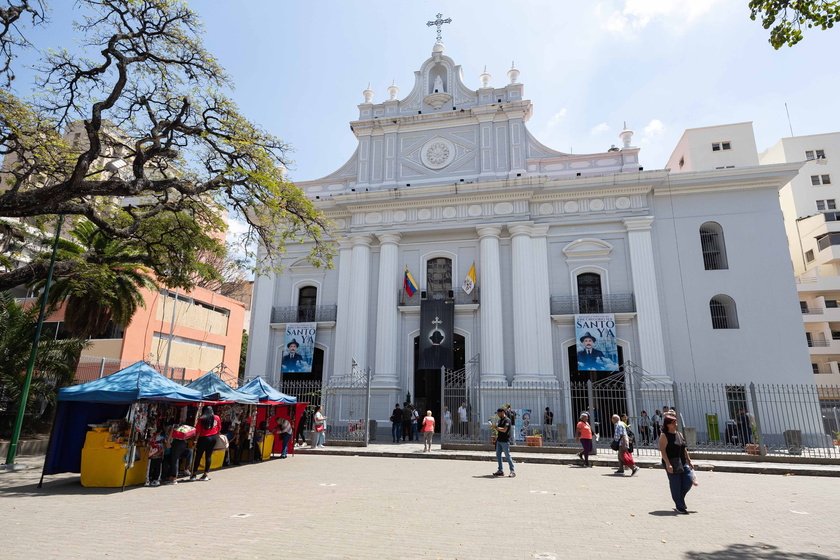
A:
x,y
303,314
458,295
606,303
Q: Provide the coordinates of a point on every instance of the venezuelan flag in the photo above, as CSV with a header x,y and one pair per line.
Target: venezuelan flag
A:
x,y
409,283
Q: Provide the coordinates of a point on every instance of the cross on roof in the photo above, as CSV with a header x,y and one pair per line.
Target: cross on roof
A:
x,y
438,22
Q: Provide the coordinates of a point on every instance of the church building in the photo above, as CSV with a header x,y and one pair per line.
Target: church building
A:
x,y
463,239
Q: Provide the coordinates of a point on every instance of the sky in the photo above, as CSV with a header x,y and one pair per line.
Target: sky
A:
x,y
661,66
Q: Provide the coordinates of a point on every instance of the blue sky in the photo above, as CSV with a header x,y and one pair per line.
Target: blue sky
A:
x,y
660,65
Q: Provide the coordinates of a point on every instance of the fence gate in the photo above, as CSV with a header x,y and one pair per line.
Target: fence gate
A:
x,y
460,397
346,402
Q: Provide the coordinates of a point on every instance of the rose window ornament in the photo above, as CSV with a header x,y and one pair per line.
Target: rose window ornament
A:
x,y
438,153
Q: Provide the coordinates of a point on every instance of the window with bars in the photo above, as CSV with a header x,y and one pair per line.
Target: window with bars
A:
x,y
724,312
817,180
809,255
713,246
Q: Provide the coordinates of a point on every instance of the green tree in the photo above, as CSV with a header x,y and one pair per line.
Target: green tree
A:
x,y
243,355
55,365
786,18
158,140
106,285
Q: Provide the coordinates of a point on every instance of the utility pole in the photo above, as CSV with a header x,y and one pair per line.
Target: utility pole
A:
x,y
24,396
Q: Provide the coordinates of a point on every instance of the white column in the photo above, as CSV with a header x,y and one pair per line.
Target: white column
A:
x,y
341,357
359,296
642,265
492,359
387,314
525,349
542,302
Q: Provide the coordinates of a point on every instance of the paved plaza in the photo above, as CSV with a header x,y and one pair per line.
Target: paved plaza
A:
x,y
319,505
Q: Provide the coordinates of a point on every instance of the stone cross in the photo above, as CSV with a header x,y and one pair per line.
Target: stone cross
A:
x,y
437,322
438,22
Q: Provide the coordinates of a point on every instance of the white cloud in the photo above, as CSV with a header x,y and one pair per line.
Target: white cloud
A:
x,y
556,118
654,128
638,14
599,129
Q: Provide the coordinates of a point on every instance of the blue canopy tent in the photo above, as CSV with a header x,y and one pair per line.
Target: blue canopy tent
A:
x,y
266,393
213,388
101,400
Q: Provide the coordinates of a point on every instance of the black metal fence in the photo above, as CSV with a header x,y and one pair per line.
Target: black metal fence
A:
x,y
606,303
303,313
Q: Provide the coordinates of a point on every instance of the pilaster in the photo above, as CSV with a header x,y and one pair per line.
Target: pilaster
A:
x,y
359,297
542,302
642,265
524,311
341,352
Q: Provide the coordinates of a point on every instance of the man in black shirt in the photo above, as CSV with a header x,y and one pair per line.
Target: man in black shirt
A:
x,y
548,423
502,428
396,423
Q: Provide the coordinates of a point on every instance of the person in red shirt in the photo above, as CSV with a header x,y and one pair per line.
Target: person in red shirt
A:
x,y
207,431
583,432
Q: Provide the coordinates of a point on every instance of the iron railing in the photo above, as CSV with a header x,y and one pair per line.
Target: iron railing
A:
x,y
458,295
606,303
303,313
812,311
735,419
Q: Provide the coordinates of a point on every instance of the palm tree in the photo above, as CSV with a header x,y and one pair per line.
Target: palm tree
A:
x,y
105,287
55,365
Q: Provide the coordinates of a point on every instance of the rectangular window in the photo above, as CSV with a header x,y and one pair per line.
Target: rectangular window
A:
x,y
809,154
803,305
821,205
815,180
815,368
820,180
826,179
831,204
820,154
809,255
718,146
832,303
726,146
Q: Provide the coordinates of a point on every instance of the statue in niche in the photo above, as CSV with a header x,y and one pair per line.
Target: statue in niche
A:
x,y
438,85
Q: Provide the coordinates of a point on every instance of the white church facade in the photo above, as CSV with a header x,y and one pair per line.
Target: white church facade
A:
x,y
693,266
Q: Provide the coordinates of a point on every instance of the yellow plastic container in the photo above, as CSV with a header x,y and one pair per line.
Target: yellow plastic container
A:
x,y
216,460
267,446
97,438
104,468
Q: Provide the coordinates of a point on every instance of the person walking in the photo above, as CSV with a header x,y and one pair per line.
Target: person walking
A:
x,y
320,428
415,418
511,414
428,429
583,434
621,444
548,424
677,462
503,427
396,423
208,428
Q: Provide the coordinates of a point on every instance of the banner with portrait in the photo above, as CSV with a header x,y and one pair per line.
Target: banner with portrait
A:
x,y
597,349
298,348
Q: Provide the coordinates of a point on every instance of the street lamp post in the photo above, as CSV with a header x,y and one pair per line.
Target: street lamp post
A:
x,y
24,396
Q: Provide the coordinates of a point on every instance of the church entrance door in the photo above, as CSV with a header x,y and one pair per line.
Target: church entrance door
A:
x,y
427,382
608,401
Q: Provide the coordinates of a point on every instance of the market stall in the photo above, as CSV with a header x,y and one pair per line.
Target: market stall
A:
x,y
100,427
285,407
230,405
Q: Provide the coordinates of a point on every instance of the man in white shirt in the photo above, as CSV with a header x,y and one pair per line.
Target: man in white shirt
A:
x,y
462,419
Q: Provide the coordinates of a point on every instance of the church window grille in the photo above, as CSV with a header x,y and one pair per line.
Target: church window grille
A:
x,y
438,278
590,295
713,246
724,312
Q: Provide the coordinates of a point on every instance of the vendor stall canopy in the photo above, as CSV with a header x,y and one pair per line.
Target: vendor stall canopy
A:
x,y
213,388
266,393
137,382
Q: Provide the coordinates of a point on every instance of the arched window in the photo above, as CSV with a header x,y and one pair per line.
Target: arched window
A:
x,y
439,278
307,298
714,248
724,313
590,298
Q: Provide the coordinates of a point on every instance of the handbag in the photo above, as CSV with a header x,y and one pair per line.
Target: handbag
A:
x,y
183,432
221,443
614,445
319,427
627,459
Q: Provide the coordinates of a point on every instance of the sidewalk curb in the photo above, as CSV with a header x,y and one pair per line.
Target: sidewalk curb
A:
x,y
644,463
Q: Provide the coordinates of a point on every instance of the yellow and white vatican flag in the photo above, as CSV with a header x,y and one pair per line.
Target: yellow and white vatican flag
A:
x,y
469,281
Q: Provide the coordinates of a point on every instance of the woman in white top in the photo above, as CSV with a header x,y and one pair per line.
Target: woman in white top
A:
x,y
447,420
320,427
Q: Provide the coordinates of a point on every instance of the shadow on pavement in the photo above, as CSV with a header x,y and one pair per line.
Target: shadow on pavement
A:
x,y
664,513
66,487
758,551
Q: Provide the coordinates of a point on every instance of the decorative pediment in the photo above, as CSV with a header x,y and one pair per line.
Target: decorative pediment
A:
x,y
587,248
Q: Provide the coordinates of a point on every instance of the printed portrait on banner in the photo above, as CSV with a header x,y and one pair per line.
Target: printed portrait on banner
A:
x,y
299,348
597,349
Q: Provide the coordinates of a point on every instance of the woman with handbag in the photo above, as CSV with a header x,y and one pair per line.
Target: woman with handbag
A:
x,y
320,429
677,462
208,428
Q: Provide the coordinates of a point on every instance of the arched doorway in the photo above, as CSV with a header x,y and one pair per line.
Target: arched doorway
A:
x,y
427,382
607,403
